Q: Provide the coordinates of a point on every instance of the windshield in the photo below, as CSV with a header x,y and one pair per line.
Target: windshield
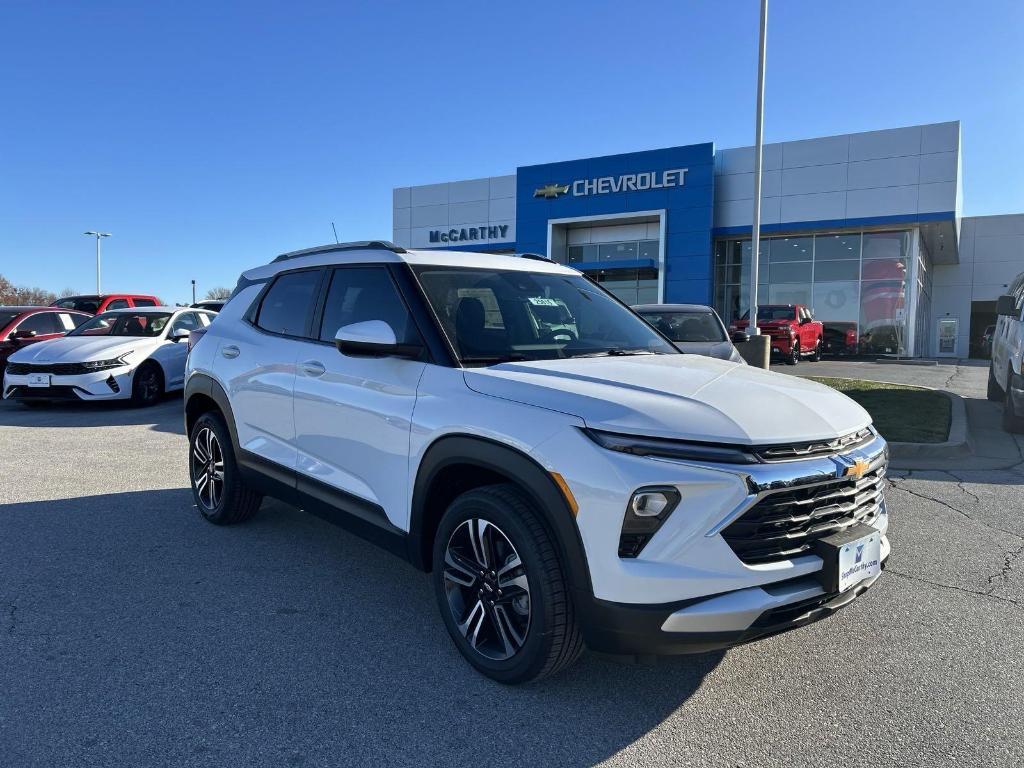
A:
x,y
768,314
493,316
124,324
693,325
90,304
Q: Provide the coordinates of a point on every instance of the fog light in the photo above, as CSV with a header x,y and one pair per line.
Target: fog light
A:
x,y
649,503
648,508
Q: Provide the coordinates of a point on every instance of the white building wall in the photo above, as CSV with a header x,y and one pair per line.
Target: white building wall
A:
x,y
991,256
901,171
472,204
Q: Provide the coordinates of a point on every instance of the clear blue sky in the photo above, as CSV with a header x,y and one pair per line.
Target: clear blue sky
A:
x,y
210,136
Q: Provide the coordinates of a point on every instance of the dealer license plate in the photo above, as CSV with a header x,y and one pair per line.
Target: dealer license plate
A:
x,y
39,379
860,559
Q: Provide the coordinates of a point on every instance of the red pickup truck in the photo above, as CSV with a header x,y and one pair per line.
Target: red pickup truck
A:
x,y
794,333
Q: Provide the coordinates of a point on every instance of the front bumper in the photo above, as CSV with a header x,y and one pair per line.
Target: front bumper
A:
x,y
110,384
697,584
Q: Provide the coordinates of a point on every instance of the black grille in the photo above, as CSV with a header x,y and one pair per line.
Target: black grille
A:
x,y
54,369
813,449
785,524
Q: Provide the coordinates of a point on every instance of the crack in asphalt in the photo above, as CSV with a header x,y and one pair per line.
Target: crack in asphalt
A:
x,y
997,579
953,587
898,484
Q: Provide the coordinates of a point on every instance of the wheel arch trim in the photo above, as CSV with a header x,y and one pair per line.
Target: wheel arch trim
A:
x,y
522,470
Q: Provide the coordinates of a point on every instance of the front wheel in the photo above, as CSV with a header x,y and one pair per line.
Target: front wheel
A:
x,y
794,354
147,384
500,587
1012,422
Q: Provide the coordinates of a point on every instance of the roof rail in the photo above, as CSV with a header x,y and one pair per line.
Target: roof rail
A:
x,y
534,256
382,245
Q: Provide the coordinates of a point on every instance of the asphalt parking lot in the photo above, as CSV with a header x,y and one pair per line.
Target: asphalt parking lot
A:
x,y
133,633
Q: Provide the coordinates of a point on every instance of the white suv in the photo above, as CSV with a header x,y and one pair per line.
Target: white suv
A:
x,y
568,483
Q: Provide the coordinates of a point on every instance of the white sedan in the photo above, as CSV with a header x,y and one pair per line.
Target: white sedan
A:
x,y
136,354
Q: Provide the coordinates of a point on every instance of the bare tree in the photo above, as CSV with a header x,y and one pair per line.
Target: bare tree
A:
x,y
67,292
215,294
20,295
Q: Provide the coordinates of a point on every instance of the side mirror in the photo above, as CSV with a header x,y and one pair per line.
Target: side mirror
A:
x,y
180,334
372,338
1006,306
18,335
740,337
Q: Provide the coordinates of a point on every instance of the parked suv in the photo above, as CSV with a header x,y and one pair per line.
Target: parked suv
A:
x,y
1006,371
94,304
568,481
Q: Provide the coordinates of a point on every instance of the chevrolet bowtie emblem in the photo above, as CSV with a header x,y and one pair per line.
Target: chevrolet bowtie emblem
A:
x,y
551,190
858,469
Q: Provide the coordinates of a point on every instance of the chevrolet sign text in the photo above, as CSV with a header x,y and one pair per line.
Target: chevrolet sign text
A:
x,y
629,182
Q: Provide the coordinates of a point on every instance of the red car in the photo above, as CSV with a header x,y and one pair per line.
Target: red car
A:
x,y
94,304
26,325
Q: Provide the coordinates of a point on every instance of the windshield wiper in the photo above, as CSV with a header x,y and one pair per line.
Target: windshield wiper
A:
x,y
492,359
615,352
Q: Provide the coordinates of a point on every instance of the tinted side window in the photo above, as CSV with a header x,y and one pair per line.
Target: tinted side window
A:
x,y
42,323
358,294
286,306
187,320
144,303
116,304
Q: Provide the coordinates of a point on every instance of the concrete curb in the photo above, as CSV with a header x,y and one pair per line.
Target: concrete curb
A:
x,y
958,442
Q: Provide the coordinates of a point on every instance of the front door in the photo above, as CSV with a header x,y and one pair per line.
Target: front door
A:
x,y
353,414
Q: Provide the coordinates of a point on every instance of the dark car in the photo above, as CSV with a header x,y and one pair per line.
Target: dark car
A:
x,y
213,305
20,326
693,328
96,303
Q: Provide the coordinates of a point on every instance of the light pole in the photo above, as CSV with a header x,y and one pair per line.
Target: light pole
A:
x,y
193,291
98,236
755,240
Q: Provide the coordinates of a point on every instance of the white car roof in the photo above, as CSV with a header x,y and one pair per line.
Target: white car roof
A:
x,y
318,257
148,310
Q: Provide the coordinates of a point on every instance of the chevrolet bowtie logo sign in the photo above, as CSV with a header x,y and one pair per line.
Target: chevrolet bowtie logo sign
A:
x,y
550,191
859,468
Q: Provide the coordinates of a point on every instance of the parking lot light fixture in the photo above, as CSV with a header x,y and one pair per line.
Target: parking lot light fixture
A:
x,y
99,236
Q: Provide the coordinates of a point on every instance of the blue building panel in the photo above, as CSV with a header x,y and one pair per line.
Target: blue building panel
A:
x,y
677,180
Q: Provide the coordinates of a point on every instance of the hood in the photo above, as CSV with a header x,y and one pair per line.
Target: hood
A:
x,y
81,349
721,350
677,396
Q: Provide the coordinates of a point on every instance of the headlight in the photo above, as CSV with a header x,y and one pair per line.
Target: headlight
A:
x,y
102,365
671,449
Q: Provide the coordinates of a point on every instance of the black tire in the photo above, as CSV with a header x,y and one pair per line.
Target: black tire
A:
x,y
816,355
994,391
1011,421
550,640
794,354
34,403
147,384
235,502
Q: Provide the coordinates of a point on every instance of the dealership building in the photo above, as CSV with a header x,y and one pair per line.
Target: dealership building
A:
x,y
864,228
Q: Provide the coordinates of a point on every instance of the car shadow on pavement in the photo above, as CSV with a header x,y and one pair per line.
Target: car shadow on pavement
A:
x,y
134,632
165,416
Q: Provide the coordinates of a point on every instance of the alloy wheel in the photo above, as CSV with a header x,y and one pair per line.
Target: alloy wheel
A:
x,y
487,588
207,464
149,385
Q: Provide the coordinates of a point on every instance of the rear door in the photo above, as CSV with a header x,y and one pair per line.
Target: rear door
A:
x,y
256,364
353,415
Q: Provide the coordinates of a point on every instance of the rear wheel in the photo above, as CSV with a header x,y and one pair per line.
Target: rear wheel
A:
x,y
220,493
147,384
1011,421
994,391
816,355
500,587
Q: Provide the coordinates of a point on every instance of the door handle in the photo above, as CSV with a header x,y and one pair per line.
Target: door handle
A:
x,y
230,351
313,368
